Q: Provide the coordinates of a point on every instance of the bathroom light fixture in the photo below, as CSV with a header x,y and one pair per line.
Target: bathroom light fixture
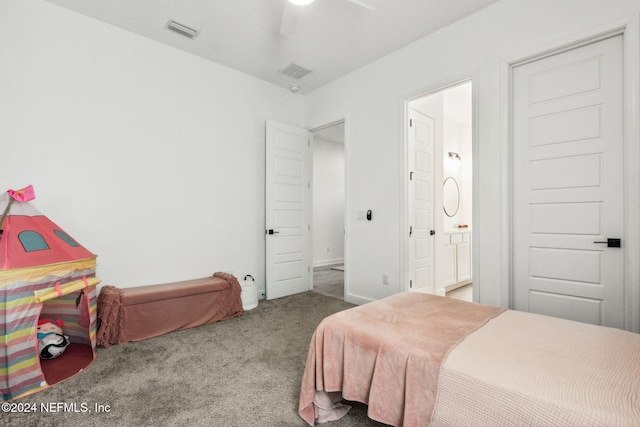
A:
x,y
301,2
454,156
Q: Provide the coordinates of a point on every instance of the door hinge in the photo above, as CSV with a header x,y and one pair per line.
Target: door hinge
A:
x,y
410,230
411,284
410,122
410,176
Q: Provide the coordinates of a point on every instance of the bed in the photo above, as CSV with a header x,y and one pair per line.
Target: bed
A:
x,y
425,360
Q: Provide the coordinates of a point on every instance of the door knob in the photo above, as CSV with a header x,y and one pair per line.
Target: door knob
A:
x,y
271,231
612,243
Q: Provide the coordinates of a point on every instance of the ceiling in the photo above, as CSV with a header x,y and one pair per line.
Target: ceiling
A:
x,y
331,37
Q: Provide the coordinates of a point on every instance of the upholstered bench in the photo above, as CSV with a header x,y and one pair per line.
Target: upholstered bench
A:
x,y
150,311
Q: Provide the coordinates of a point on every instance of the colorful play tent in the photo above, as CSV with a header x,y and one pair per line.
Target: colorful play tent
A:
x,y
44,273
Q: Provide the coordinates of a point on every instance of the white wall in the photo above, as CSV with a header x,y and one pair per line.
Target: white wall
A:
x,y
150,157
371,99
328,202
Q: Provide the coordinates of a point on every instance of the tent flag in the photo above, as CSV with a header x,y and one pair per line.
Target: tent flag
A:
x,y
25,194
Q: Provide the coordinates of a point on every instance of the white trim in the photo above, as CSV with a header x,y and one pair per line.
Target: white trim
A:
x,y
403,107
631,66
630,29
328,262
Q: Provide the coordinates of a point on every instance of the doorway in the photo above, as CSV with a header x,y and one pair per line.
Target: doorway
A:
x,y
439,191
328,199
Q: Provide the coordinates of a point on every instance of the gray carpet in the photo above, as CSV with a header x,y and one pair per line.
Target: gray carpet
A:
x,y
240,372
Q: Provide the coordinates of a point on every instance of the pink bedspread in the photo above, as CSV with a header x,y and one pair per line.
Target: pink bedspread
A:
x,y
372,354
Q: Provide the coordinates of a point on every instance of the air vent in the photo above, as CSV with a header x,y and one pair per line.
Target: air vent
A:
x,y
295,71
182,29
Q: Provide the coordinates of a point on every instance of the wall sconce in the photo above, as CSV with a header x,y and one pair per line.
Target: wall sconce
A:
x,y
452,163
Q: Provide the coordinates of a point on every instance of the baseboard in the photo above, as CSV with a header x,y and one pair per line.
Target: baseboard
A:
x,y
457,285
356,299
328,262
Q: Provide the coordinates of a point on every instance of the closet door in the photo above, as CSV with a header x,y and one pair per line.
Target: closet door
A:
x,y
568,184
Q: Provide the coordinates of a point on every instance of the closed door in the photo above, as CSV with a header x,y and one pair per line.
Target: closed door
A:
x,y
421,221
287,210
567,184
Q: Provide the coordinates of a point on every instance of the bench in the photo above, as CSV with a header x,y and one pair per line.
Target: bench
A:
x,y
149,311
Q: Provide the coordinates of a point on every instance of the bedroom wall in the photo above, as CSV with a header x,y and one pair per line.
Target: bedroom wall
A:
x,y
371,100
150,157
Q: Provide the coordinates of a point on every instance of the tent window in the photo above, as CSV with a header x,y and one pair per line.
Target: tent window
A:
x,y
64,236
32,241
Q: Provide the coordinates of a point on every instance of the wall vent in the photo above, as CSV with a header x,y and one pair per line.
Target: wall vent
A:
x,y
182,29
295,71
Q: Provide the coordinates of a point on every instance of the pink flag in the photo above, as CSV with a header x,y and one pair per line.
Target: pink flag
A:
x,y
23,195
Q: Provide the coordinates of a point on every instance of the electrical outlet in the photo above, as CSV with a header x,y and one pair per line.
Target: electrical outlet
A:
x,y
385,279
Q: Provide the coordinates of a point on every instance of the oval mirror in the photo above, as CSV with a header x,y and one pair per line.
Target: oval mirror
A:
x,y
451,196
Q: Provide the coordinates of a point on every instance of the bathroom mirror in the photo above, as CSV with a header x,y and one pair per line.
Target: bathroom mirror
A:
x,y
451,196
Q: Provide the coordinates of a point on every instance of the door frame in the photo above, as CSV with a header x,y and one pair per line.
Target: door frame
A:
x,y
311,129
404,100
629,29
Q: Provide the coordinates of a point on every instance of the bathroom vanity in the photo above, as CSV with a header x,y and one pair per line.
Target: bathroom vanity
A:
x,y
455,259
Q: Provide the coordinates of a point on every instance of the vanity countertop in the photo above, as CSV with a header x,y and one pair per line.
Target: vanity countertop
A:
x,y
457,230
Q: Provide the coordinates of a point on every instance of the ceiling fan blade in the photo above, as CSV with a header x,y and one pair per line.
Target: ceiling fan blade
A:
x,y
289,21
363,4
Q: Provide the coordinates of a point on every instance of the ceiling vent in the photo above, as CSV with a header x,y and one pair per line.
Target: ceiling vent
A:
x,y
182,29
295,71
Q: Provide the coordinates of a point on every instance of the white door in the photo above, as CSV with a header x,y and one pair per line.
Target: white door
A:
x,y
288,207
568,184
421,221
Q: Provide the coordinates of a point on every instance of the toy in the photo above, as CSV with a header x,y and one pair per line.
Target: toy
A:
x,y
51,341
42,270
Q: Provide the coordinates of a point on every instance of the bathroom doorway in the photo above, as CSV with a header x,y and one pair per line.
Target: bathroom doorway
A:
x,y
328,229
439,191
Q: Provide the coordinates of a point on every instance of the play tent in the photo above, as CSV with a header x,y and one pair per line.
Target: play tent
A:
x,y
44,273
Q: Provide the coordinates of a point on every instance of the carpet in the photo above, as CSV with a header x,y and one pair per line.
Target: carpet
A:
x,y
240,372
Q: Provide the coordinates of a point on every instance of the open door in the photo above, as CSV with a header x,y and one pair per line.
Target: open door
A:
x,y
421,142
287,210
